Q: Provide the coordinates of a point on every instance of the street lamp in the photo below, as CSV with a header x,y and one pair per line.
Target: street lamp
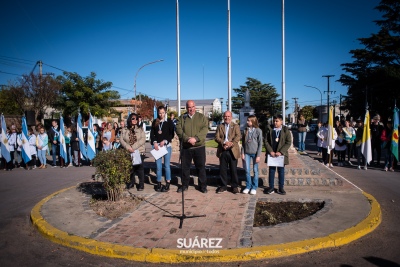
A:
x,y
134,86
320,107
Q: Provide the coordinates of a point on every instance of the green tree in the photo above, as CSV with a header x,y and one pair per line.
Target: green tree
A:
x,y
307,112
216,116
375,70
35,92
263,98
8,104
85,93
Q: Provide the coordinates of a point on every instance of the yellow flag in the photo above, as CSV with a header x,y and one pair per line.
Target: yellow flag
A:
x,y
366,149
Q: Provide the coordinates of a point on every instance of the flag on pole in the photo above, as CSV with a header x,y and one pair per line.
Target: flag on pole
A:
x,y
82,146
395,133
5,150
91,142
331,140
26,149
154,111
366,148
63,148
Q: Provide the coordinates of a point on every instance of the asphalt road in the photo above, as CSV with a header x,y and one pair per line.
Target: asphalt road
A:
x,y
22,245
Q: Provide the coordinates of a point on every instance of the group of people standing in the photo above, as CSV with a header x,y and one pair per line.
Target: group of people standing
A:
x,y
347,140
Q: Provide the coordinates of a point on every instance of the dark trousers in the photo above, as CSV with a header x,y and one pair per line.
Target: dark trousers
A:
x,y
10,164
198,155
227,160
281,176
32,162
376,145
325,156
350,150
139,170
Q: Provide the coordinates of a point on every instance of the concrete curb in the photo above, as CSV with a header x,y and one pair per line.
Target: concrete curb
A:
x,y
157,255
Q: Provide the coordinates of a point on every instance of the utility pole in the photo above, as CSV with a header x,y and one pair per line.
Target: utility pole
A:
x,y
295,108
329,92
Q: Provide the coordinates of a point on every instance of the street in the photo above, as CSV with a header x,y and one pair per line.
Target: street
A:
x,y
22,245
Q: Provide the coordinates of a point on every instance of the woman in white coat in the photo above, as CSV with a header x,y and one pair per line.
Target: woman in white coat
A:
x,y
323,143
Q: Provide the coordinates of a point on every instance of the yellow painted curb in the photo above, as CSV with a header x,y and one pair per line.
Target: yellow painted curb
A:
x,y
366,226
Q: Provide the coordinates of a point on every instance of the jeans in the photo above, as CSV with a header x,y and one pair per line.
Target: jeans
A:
x,y
167,166
54,153
69,156
42,156
251,183
302,140
388,158
281,176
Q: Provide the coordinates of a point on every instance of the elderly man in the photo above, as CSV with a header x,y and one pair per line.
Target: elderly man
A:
x,y
228,152
192,129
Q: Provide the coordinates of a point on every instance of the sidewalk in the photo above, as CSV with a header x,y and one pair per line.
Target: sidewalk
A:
x,y
226,232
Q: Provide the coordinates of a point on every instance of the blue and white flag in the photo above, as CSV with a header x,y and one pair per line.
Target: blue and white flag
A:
x,y
63,148
82,146
91,142
5,150
26,148
154,111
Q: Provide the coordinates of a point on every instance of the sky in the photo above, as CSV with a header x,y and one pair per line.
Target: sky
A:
x,y
116,38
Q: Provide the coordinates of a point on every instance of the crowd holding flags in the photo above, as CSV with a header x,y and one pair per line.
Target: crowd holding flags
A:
x,y
26,150
5,150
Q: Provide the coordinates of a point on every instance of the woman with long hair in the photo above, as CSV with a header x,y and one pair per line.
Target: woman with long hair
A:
x,y
252,142
161,135
109,132
133,139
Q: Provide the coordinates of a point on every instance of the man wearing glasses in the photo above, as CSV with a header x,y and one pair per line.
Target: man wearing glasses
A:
x,y
192,129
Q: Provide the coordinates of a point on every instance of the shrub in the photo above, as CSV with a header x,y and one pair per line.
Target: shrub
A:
x,y
115,167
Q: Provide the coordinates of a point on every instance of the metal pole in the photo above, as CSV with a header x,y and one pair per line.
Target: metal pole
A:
x,y
134,85
178,66
283,63
328,76
229,58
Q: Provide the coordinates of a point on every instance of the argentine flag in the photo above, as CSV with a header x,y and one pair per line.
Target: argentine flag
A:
x,y
82,146
26,149
366,148
5,150
91,142
154,111
63,148
395,134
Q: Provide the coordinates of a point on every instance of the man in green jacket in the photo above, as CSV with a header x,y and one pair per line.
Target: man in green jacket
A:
x,y
192,129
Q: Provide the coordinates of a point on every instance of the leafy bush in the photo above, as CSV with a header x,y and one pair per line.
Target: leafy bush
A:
x,y
115,167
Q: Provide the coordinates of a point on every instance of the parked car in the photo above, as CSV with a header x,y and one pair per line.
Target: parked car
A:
x,y
313,127
148,128
213,126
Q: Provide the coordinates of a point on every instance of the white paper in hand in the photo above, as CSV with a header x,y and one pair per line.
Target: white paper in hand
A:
x,y
162,150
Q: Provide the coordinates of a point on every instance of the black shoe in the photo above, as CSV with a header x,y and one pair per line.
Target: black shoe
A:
x,y
221,189
158,187
204,190
165,188
128,186
140,188
182,188
281,191
235,190
269,190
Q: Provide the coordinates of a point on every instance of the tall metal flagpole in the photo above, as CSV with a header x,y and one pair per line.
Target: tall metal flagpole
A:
x,y
229,58
178,66
283,64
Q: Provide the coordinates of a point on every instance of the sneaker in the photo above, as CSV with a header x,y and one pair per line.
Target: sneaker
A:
x,y
281,191
326,164
385,169
391,169
253,192
270,190
359,167
235,190
330,165
246,191
34,167
70,165
365,167
54,166
221,190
